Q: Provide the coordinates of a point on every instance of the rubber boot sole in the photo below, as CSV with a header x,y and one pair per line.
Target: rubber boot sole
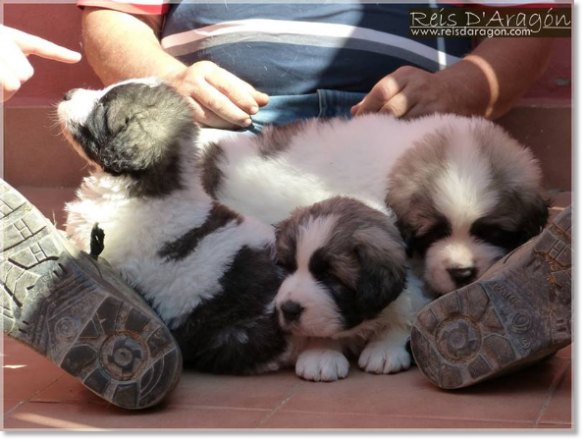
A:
x,y
78,313
517,313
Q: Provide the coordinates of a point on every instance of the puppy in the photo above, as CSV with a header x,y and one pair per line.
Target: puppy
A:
x,y
347,288
465,193
208,271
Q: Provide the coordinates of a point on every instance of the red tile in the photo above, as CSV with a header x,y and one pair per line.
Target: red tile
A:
x,y
95,417
563,427
560,200
298,420
257,392
517,397
68,389
546,130
565,353
35,152
26,373
10,405
50,201
559,409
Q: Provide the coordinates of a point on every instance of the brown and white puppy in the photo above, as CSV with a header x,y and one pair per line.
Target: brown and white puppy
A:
x,y
347,285
464,191
465,196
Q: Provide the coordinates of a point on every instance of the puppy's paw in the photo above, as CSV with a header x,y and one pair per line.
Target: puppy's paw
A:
x,y
384,358
322,365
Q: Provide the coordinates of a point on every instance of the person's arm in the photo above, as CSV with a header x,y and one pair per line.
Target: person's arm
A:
x,y
487,82
15,69
121,46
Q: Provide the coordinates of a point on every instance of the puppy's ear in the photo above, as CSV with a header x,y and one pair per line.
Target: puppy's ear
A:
x,y
407,233
535,218
128,151
382,274
286,244
144,126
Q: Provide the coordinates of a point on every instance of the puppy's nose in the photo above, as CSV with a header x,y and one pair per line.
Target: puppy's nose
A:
x,y
69,94
462,275
291,310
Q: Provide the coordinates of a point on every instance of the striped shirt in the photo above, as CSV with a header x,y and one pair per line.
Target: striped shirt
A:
x,y
297,48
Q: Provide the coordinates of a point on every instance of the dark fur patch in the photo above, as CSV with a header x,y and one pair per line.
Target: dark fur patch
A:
x,y
420,241
136,130
218,217
233,332
211,174
274,140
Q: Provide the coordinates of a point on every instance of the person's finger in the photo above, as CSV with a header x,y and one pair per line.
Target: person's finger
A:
x,y
356,106
208,118
399,104
418,110
10,84
33,45
237,90
16,61
382,92
260,97
212,99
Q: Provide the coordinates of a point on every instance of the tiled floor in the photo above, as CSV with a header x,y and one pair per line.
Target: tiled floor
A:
x,y
40,395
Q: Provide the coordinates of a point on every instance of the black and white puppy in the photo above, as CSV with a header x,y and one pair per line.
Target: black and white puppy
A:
x,y
209,272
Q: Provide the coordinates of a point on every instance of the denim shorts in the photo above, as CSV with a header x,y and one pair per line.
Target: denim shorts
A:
x,y
283,109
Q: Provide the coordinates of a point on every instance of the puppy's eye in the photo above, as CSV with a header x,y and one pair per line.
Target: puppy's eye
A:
x,y
496,235
288,265
319,264
421,242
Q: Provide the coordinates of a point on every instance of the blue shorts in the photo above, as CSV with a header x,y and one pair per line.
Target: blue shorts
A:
x,y
283,109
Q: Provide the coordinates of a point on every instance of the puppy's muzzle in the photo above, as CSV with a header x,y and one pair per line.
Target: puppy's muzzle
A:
x,y
291,311
69,94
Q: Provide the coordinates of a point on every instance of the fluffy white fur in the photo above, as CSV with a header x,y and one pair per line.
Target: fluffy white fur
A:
x,y
355,158
349,158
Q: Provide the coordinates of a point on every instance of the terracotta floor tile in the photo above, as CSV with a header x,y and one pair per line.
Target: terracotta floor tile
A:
x,y
563,427
517,397
9,405
258,392
50,201
94,417
565,353
561,199
559,409
195,389
297,420
25,372
68,389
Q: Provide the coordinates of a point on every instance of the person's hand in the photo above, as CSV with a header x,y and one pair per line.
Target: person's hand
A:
x,y
15,69
411,92
219,98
